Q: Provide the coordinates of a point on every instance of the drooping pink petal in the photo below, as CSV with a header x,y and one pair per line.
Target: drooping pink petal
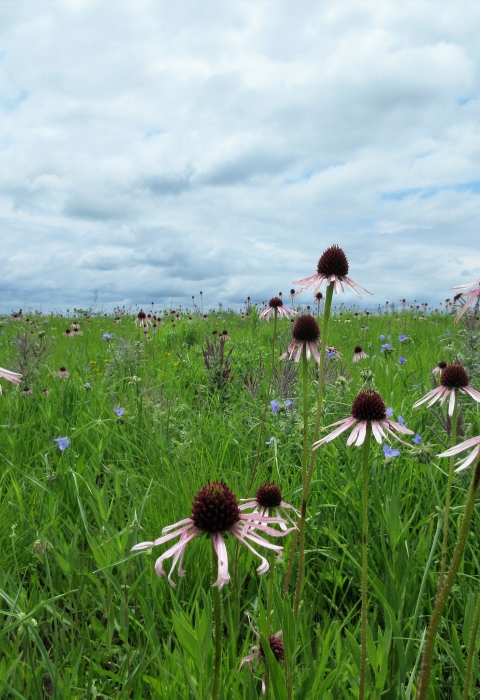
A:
x,y
142,545
343,425
221,550
466,286
451,403
377,431
352,284
399,428
471,458
13,377
439,390
264,566
471,392
168,528
177,533
184,540
355,432
471,442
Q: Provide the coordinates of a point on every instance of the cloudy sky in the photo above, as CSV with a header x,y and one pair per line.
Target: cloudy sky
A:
x,y
150,150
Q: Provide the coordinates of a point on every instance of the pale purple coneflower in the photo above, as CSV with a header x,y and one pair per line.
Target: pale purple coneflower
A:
x,y
27,390
305,333
13,377
472,442
257,654
439,368
453,379
282,311
63,372
472,295
68,333
332,267
267,499
215,511
224,336
368,408
142,320
359,354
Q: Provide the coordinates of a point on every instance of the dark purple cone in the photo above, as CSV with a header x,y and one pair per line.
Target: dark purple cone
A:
x,y
268,495
442,364
357,349
276,645
333,262
306,329
215,508
275,302
454,377
141,315
369,406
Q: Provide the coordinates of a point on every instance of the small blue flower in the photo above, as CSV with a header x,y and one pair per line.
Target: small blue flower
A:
x,y
401,360
417,439
382,337
288,403
390,452
447,331
62,442
402,337
106,336
401,421
87,385
386,346
275,406
330,354
389,412
269,442
119,411
52,337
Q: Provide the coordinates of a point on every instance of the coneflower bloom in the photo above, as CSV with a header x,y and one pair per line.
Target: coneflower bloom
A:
x,y
282,311
472,442
13,377
63,372
68,333
332,267
472,295
368,408
453,379
215,511
142,320
359,354
257,654
305,333
224,336
267,499
439,368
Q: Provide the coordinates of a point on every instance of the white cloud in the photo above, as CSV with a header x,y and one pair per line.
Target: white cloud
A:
x,y
150,149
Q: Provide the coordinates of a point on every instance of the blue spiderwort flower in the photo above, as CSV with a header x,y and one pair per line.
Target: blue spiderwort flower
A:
x,y
389,412
390,452
330,354
386,347
402,360
62,442
106,336
269,442
119,411
402,337
401,421
87,385
382,337
288,403
275,406
417,439
447,331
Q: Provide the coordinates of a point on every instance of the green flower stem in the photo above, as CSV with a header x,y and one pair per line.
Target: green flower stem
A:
x,y
442,597
471,653
321,378
271,576
365,457
301,523
448,498
217,619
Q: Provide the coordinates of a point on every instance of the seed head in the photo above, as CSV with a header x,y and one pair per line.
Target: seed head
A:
x,y
141,315
333,262
454,377
268,495
306,329
215,508
277,648
275,302
369,406
442,364
357,349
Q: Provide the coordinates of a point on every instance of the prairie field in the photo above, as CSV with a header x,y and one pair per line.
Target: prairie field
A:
x,y
151,416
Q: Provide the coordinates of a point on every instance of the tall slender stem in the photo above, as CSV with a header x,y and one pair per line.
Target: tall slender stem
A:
x,y
217,619
442,597
321,378
301,524
471,652
448,497
365,457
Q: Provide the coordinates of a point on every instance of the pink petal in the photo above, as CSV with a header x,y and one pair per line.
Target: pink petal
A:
x,y
451,403
13,377
221,550
180,522
434,392
377,431
461,447
355,432
471,458
343,425
471,392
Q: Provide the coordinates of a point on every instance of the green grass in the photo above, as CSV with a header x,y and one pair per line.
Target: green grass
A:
x,y
82,617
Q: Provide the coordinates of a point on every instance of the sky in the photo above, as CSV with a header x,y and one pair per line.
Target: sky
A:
x,y
153,150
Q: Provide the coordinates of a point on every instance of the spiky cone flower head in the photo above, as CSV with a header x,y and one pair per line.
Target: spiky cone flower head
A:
x,y
68,333
63,372
367,409
331,268
268,499
472,442
452,380
359,354
306,334
142,320
224,336
257,654
215,511
13,377
439,368
471,296
282,311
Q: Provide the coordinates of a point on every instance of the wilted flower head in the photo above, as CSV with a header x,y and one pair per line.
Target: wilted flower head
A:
x,y
306,334
215,511
332,268
277,304
453,379
359,354
367,409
